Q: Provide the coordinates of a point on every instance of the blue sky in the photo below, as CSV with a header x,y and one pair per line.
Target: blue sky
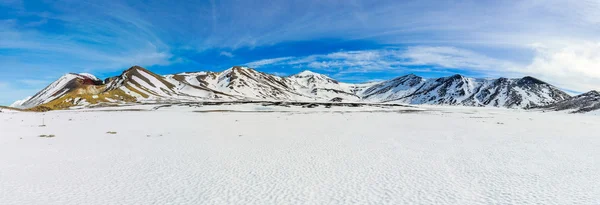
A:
x,y
354,40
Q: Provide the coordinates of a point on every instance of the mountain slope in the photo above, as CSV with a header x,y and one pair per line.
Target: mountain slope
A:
x,y
524,93
147,86
319,86
84,83
19,103
460,90
244,83
586,102
397,88
247,83
135,84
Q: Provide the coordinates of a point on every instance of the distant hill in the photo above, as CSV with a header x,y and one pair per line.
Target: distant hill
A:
x,y
586,102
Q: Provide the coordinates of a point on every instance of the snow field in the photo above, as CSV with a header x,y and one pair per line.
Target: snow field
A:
x,y
441,156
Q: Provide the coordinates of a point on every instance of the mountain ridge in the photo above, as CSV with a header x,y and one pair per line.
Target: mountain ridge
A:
x,y
137,84
585,102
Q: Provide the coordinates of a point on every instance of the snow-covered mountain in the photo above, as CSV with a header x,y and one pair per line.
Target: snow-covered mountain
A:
x,y
249,84
243,83
319,86
460,90
65,84
144,85
137,84
585,102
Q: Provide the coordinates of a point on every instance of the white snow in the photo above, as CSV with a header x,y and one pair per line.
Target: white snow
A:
x,y
93,77
307,73
19,103
51,92
445,155
7,110
157,88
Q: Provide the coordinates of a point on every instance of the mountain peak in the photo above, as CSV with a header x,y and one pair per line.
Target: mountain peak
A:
x,y
238,69
241,68
406,77
456,76
90,76
409,76
530,80
591,93
86,78
132,70
308,74
450,78
135,68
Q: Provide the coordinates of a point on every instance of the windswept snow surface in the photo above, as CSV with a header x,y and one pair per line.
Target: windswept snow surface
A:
x,y
177,156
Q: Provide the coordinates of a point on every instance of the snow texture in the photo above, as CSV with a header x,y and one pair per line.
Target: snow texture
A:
x,y
205,155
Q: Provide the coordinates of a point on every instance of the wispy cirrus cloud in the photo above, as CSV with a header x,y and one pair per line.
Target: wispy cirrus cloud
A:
x,y
389,60
344,61
573,67
226,54
73,36
271,61
82,36
451,57
540,38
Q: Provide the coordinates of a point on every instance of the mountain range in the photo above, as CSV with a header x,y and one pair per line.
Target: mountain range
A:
x,y
237,83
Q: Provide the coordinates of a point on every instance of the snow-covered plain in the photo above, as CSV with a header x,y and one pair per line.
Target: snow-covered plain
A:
x,y
302,156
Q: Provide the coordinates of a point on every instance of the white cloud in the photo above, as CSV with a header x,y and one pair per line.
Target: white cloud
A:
x,y
570,65
113,35
452,23
282,74
226,54
573,64
391,60
344,61
451,57
11,2
89,41
260,63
